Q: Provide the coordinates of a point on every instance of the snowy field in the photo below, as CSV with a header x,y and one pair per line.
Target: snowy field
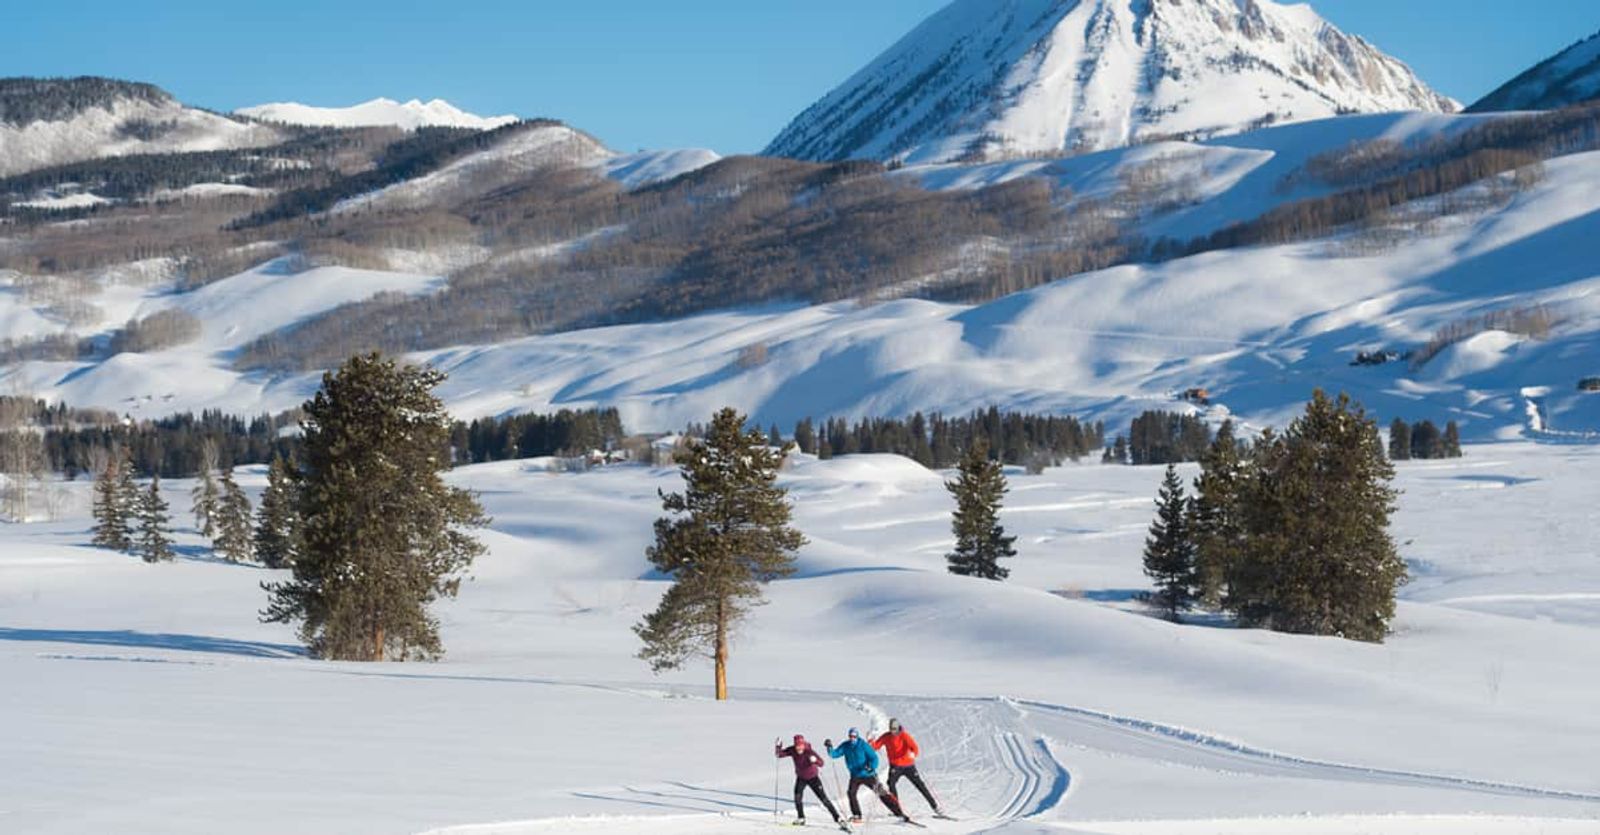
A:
x,y
148,699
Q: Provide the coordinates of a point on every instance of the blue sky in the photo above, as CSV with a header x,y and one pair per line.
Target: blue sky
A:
x,y
725,74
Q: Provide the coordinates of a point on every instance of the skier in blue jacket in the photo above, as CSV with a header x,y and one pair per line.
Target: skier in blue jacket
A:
x,y
862,763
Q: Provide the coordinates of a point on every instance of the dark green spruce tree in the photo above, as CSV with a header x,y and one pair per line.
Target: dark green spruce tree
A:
x,y
1427,441
981,542
1452,440
725,536
1399,440
1317,556
230,518
1169,550
382,535
1218,531
277,536
115,503
155,525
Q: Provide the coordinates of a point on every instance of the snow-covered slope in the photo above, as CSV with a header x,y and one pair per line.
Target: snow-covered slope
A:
x,y
150,699
993,78
380,111
112,123
1571,76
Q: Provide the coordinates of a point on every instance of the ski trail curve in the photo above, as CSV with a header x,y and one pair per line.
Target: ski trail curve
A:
x,y
1178,746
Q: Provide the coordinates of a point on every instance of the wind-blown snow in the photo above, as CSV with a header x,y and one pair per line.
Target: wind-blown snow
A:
x,y
380,111
1009,78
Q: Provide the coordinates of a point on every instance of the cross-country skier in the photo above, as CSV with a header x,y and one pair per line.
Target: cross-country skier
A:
x,y
862,763
807,773
902,751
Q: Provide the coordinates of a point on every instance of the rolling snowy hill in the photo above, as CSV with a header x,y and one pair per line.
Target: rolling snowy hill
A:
x,y
1569,77
46,122
380,111
1278,321
985,79
150,699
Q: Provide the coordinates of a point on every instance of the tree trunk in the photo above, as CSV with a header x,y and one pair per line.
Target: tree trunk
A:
x,y
377,644
722,652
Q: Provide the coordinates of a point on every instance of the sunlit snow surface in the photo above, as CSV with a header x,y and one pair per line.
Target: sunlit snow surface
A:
x,y
145,698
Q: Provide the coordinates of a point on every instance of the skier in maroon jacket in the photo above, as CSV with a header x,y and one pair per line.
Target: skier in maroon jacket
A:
x,y
807,772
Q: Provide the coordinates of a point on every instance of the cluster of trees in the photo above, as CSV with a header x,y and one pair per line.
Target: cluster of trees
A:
x,y
1160,437
174,446
362,517
1292,534
1423,440
130,518
566,432
938,442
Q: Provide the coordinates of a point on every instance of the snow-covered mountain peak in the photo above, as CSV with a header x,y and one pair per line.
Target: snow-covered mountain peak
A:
x,y
380,111
997,78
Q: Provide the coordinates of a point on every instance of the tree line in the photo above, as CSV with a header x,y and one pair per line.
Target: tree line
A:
x,y
938,442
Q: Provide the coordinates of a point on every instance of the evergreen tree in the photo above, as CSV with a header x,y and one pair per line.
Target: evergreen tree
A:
x,y
1119,450
277,537
1399,440
774,437
114,504
726,535
1426,441
1317,557
1169,551
805,437
981,541
1218,531
231,519
206,493
382,535
155,525
1452,440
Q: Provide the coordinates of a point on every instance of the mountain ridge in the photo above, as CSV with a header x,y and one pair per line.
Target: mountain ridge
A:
x,y
1569,77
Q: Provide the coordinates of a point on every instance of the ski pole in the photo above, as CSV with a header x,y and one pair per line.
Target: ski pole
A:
x,y
777,780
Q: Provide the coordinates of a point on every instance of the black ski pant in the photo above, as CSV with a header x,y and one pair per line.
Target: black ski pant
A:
x,y
910,773
877,789
815,783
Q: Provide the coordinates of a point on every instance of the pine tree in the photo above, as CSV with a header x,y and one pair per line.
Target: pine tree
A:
x,y
1218,531
155,525
1119,450
726,535
1399,440
1169,551
1426,441
206,494
277,536
231,519
805,437
382,535
113,507
1317,557
981,541
1452,440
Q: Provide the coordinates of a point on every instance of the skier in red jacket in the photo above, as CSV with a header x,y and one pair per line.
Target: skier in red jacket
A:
x,y
807,773
902,751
